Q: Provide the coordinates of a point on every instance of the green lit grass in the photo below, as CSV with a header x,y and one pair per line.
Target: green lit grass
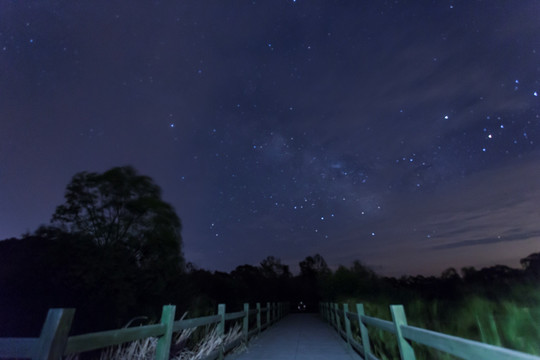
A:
x,y
513,322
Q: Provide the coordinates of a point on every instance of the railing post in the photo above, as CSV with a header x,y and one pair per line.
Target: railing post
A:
x,y
54,335
268,309
221,327
274,312
338,320
331,311
163,346
363,331
246,322
347,325
326,313
398,317
258,318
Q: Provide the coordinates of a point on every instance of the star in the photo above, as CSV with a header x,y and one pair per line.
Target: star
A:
x,y
332,126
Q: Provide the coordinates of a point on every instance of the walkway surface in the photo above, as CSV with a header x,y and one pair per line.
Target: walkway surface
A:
x,y
297,337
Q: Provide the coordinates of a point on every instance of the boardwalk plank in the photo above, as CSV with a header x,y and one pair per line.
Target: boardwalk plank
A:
x,y
297,337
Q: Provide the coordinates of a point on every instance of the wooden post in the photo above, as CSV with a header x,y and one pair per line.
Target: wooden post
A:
x,y
268,309
163,346
245,327
54,335
363,331
326,312
331,311
347,325
258,318
338,320
398,317
221,327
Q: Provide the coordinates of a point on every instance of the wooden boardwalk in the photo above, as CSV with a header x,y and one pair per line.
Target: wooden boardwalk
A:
x,y
297,337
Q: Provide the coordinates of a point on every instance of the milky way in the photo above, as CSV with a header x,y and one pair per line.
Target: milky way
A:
x,y
400,134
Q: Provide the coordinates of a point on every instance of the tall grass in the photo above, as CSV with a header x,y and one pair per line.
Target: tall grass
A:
x,y
510,323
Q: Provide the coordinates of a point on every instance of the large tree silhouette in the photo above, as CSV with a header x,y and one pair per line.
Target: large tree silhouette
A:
x,y
122,208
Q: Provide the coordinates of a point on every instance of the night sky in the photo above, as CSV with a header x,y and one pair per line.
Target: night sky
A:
x,y
399,133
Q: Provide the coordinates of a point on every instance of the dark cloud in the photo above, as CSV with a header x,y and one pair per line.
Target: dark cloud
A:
x,y
487,241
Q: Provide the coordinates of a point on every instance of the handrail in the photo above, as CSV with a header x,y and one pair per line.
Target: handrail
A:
x,y
98,340
379,323
463,348
195,322
54,342
235,315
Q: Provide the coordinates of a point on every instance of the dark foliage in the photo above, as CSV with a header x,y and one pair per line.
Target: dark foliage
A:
x,y
122,208
58,269
115,253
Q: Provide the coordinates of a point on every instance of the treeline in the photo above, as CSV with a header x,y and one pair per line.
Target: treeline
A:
x,y
495,282
113,251
108,285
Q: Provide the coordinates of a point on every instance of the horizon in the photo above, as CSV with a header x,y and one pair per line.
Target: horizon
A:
x,y
294,266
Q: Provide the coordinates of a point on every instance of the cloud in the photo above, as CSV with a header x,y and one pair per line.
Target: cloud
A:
x,y
489,240
485,218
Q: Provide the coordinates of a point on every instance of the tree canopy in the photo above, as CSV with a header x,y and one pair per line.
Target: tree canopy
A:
x,y
314,266
121,207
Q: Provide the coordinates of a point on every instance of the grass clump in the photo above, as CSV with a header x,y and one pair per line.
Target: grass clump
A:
x,y
182,347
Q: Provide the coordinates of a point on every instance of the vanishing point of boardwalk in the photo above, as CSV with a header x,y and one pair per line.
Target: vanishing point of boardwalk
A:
x,y
297,337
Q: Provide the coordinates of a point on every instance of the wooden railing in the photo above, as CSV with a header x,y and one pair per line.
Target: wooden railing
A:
x,y
340,319
55,342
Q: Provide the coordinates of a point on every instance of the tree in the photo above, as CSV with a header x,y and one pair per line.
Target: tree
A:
x,y
531,264
120,208
313,283
469,273
314,266
450,274
277,278
272,267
